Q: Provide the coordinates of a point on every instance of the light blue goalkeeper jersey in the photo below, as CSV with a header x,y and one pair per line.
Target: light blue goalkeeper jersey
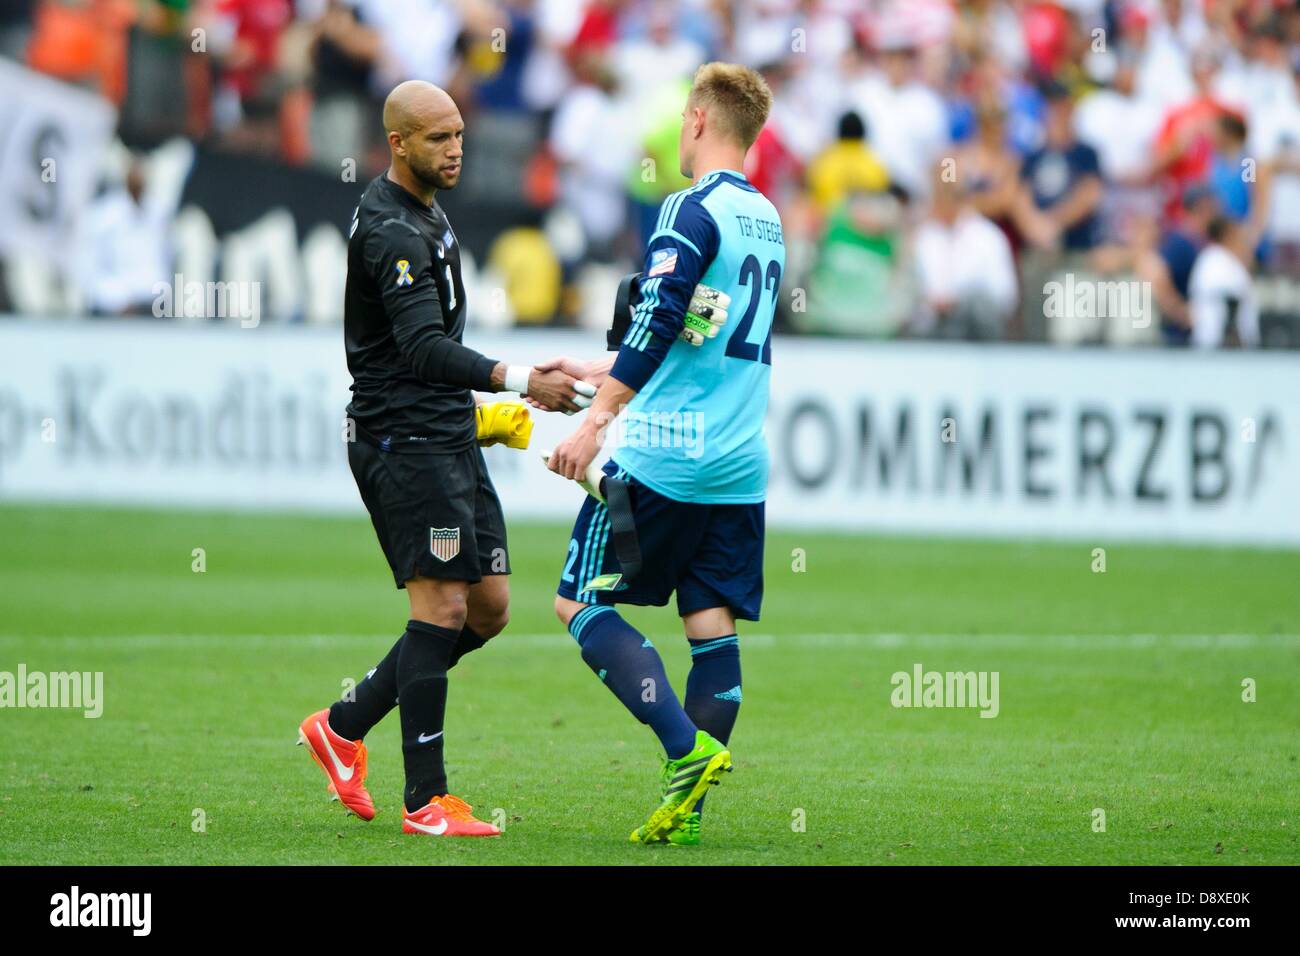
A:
x,y
694,431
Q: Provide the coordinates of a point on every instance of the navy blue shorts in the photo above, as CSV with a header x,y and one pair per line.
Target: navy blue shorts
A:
x,y
711,555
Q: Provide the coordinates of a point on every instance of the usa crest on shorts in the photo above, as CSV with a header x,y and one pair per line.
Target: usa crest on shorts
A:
x,y
444,543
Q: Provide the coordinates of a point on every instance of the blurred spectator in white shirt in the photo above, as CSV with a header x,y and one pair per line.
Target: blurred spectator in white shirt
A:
x,y
546,74
967,273
807,100
1121,127
907,119
1261,78
1164,75
1223,307
419,40
656,57
1275,142
125,252
1183,19
816,31
591,142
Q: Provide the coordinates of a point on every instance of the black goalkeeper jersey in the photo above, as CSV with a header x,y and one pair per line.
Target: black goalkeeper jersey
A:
x,y
403,317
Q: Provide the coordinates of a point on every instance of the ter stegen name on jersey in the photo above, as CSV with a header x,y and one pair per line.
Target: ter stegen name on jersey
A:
x,y
694,431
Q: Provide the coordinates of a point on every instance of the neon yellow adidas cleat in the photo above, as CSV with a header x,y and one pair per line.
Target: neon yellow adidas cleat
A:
x,y
688,834
684,782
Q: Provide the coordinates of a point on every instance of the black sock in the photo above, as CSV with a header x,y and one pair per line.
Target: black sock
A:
x,y
467,641
422,704
371,700
713,688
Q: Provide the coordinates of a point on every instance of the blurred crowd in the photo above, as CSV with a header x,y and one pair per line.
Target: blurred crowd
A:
x,y
984,170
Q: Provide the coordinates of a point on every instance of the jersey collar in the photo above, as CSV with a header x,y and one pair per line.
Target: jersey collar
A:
x,y
405,197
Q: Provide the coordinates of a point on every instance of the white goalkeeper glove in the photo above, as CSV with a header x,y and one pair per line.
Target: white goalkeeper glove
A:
x,y
590,482
705,315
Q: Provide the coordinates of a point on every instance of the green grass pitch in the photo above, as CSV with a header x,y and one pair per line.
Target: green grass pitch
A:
x,y
1119,691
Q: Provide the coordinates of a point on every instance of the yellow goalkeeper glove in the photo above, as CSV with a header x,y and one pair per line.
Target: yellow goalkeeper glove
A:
x,y
505,423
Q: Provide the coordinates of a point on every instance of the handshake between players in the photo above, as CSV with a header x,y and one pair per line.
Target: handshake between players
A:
x,y
705,316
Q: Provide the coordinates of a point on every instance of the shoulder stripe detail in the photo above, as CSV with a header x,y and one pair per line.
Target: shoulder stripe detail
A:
x,y
708,184
677,200
668,212
402,222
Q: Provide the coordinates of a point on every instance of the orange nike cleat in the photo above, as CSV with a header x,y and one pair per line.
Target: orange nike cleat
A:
x,y
446,816
344,763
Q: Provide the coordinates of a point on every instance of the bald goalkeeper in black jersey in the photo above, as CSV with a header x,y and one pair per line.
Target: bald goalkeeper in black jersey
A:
x,y
417,461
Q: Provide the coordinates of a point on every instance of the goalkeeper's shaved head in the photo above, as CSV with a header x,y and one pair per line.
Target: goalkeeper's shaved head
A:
x,y
415,104
425,133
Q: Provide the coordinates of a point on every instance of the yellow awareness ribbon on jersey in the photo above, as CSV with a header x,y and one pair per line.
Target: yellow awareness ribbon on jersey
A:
x,y
505,423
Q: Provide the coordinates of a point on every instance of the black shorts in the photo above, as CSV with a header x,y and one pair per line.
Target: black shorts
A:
x,y
436,513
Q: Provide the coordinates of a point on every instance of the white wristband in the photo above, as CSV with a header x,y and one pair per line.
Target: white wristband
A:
x,y
517,378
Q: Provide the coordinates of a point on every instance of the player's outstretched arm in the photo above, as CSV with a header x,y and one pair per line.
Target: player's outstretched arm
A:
x,y
572,456
398,259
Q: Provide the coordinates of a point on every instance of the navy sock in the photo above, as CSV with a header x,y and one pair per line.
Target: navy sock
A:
x,y
629,665
713,687
371,699
467,642
422,704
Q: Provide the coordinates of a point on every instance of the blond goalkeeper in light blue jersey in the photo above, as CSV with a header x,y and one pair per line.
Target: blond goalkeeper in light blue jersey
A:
x,y
679,508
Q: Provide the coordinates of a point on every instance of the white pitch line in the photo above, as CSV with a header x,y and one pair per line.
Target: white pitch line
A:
x,y
556,640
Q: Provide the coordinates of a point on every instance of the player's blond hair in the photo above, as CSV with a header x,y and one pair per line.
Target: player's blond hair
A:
x,y
741,96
